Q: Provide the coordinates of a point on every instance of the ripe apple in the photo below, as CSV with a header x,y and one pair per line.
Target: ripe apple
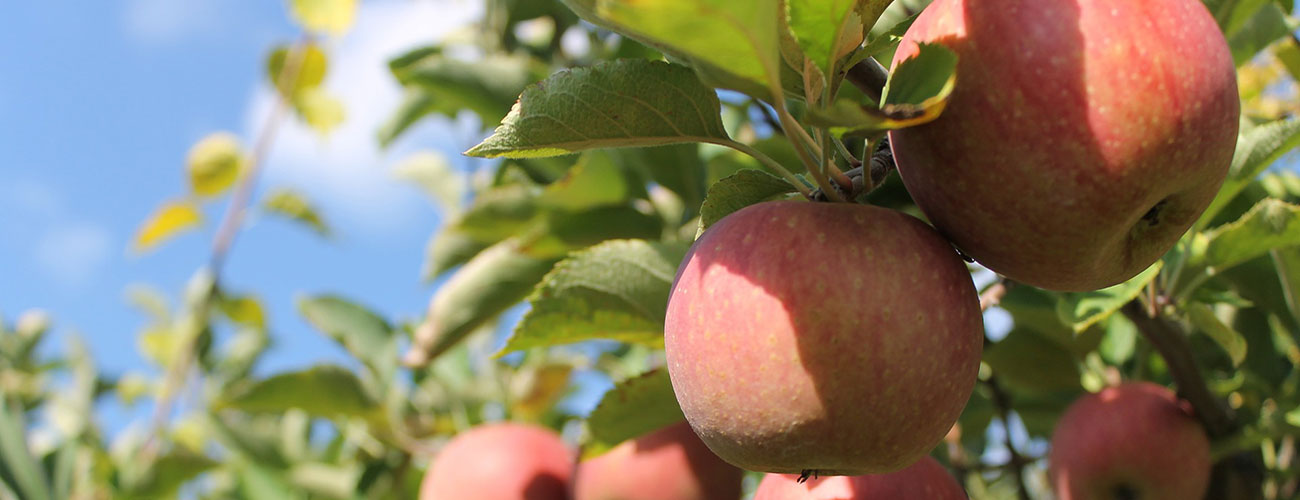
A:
x,y
668,464
503,461
1082,138
1135,440
833,338
924,480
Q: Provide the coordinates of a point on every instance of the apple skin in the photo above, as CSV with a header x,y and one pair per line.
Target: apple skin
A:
x,y
830,337
502,461
1082,138
1137,439
924,480
668,464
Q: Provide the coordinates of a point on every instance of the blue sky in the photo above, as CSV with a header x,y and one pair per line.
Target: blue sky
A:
x,y
99,103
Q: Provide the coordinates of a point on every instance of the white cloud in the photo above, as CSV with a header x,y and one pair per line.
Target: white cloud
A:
x,y
32,198
162,21
347,173
73,254
64,247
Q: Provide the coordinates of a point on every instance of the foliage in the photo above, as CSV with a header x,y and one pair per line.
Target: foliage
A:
x,y
593,190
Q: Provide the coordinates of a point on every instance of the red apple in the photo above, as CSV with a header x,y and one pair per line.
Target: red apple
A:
x,y
1136,440
837,338
668,464
504,461
1082,139
924,480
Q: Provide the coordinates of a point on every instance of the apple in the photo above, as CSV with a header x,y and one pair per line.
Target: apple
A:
x,y
668,464
1082,137
924,480
832,338
1135,440
501,461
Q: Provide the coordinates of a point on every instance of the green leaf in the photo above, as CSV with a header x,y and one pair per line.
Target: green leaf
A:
x,y
1266,26
630,102
1270,224
431,171
1032,362
214,163
488,284
498,213
927,77
826,29
559,233
1082,310
1207,322
486,86
19,470
170,219
1288,53
309,64
1293,417
916,93
678,168
1287,261
326,391
738,37
362,332
263,483
737,191
1119,342
446,249
632,408
169,473
595,180
295,207
416,104
1257,148
327,16
615,290
885,39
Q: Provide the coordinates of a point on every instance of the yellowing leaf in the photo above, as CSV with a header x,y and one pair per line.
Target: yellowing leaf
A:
x,y
214,163
309,64
539,388
330,16
170,219
320,109
294,206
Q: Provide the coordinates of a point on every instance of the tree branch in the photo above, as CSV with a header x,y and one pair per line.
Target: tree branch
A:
x,y
1172,344
869,76
1236,477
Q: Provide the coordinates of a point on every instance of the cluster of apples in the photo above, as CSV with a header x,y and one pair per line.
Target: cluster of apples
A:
x,y
1082,139
511,461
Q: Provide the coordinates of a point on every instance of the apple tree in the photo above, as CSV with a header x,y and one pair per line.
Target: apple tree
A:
x,y
718,205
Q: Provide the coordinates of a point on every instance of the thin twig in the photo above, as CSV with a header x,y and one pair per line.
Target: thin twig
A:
x,y
1002,404
221,244
992,295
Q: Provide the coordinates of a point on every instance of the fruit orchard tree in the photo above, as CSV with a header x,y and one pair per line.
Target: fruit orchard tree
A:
x,y
1023,248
